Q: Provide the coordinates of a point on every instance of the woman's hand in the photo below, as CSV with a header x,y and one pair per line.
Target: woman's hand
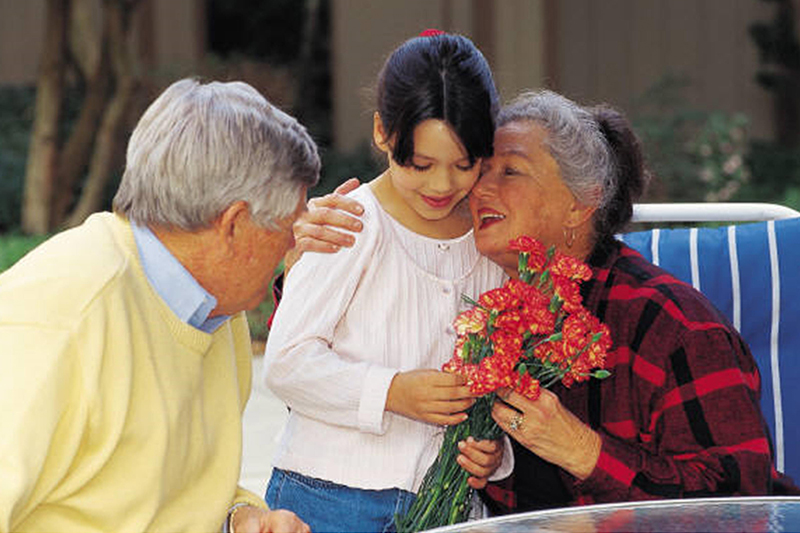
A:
x,y
481,458
430,396
549,430
315,230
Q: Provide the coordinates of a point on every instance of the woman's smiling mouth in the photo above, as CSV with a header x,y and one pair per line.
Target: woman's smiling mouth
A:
x,y
487,217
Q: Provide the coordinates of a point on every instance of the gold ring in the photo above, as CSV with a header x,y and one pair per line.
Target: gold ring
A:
x,y
516,422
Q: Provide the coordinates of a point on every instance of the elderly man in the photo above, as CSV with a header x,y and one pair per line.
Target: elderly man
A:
x,y
126,358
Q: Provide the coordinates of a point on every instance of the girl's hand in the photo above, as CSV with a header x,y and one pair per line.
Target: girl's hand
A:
x,y
430,396
481,458
315,230
549,430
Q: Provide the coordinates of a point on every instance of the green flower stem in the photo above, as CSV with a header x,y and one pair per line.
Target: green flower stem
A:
x,y
445,497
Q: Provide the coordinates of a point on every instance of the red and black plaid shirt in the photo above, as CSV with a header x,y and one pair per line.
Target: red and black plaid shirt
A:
x,y
679,417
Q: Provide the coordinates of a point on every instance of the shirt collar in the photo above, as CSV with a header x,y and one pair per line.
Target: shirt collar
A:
x,y
174,284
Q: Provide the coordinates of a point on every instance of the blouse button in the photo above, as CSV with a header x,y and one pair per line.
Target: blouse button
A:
x,y
446,290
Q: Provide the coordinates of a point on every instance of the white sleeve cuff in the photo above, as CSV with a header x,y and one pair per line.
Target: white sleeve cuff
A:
x,y
373,399
507,464
226,526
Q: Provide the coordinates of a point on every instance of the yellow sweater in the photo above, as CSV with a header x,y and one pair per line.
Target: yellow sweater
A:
x,y
114,414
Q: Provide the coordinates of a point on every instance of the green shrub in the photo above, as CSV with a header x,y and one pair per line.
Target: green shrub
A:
x,y
362,163
257,319
695,155
698,155
776,174
16,117
14,246
16,123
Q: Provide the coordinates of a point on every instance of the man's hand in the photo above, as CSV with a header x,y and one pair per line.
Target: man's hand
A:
x,y
430,396
316,229
251,519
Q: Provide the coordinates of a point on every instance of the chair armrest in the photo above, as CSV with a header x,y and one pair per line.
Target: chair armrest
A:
x,y
711,212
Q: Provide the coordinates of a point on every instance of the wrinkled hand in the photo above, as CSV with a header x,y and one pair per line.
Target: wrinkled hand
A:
x,y
549,430
430,396
251,519
481,458
315,230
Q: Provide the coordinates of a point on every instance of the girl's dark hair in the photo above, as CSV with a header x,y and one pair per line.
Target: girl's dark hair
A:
x,y
441,77
632,176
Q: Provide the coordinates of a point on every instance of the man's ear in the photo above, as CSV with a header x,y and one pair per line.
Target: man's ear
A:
x,y
379,134
230,221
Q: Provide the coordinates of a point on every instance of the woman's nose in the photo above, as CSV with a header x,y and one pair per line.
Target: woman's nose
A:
x,y
486,185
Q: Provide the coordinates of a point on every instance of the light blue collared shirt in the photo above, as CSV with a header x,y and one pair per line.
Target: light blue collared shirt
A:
x,y
176,285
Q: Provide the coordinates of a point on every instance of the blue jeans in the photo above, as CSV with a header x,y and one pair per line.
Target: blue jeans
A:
x,y
328,507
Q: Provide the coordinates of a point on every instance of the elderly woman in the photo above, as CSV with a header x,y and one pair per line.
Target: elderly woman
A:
x,y
679,416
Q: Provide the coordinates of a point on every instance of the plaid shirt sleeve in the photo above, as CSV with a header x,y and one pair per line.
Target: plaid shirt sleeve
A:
x,y
680,415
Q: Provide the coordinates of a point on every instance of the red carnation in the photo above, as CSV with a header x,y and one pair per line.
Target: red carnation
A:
x,y
527,335
498,300
569,267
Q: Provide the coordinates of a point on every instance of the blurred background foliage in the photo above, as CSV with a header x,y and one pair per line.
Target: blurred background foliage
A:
x,y
699,155
16,116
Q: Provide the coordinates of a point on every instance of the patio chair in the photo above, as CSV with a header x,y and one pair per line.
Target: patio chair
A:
x,y
751,272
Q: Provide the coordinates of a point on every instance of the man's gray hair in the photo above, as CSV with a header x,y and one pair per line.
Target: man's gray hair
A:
x,y
575,141
199,148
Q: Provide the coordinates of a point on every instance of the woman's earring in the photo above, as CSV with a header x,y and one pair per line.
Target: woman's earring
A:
x,y
569,237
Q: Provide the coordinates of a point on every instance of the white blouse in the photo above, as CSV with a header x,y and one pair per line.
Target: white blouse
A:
x,y
347,323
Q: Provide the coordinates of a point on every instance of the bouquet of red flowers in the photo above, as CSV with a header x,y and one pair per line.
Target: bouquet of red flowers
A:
x,y
530,333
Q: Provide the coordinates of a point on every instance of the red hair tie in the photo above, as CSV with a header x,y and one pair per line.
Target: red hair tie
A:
x,y
431,32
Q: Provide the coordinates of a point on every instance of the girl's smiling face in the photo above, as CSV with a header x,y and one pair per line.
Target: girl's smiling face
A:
x,y
439,177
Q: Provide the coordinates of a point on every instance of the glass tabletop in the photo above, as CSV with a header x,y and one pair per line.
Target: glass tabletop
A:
x,y
746,514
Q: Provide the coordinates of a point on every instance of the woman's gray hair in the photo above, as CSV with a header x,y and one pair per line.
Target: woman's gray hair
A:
x,y
199,148
575,141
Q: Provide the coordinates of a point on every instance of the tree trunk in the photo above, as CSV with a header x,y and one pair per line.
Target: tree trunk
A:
x,y
110,137
91,55
42,166
312,106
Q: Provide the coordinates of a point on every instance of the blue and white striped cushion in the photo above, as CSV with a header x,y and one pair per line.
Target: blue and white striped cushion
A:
x,y
750,273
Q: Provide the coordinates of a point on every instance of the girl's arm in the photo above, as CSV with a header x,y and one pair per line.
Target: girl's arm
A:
x,y
300,365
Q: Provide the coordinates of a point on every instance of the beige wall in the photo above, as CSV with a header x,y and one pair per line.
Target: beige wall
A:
x,y
520,48
21,31
614,50
170,31
590,50
179,31
364,32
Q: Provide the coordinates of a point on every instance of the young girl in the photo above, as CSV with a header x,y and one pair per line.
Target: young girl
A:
x,y
358,335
